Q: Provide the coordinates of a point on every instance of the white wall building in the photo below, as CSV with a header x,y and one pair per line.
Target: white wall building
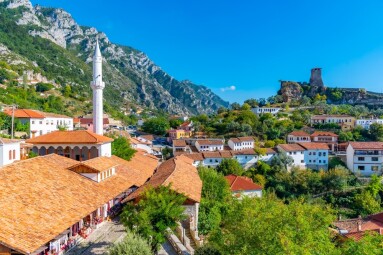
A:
x,y
298,137
307,155
209,145
366,123
262,110
41,123
365,158
241,143
9,151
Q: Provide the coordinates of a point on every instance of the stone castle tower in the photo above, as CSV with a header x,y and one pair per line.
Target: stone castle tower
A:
x,y
98,86
316,77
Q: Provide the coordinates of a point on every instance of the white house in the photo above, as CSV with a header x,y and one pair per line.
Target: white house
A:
x,y
307,155
241,143
295,151
298,137
366,123
209,145
139,144
365,158
41,123
9,151
262,110
241,186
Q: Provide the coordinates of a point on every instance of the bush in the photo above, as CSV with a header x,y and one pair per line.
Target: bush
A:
x,y
132,244
42,87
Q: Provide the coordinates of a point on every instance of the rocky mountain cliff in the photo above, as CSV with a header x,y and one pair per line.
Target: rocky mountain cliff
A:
x,y
295,91
131,78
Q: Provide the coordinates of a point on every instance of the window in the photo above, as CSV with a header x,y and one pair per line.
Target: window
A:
x,y
14,154
295,152
40,122
310,161
361,168
324,161
374,159
360,158
320,161
320,153
375,168
10,155
314,160
324,153
314,153
310,153
211,161
33,122
302,161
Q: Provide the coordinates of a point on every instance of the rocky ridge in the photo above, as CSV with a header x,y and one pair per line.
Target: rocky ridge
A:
x,y
130,76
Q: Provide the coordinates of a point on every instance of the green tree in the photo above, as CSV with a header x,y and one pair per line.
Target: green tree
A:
x,y
230,166
376,132
252,102
174,123
121,148
214,198
207,250
245,107
366,203
132,244
235,106
282,161
156,125
370,244
269,226
158,209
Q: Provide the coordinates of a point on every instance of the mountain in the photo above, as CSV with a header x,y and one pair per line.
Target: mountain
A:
x,y
47,44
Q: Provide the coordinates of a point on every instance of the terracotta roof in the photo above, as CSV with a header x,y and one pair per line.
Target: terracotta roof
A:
x,y
244,152
86,121
24,113
367,145
242,139
99,164
179,143
331,116
40,198
299,133
238,183
70,137
185,124
323,133
9,141
52,115
314,146
195,156
211,154
291,147
210,142
147,137
226,154
180,173
270,151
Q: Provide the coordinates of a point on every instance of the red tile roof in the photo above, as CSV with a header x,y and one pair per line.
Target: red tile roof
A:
x,y
299,133
367,145
147,137
24,113
314,146
180,173
179,143
195,156
40,198
291,147
239,183
9,141
87,121
209,142
242,139
70,137
323,133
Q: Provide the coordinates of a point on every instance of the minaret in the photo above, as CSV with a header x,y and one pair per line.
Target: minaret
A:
x,y
97,85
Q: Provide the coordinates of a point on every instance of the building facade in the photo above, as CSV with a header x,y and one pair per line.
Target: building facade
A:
x,y
298,137
241,143
365,158
9,151
262,110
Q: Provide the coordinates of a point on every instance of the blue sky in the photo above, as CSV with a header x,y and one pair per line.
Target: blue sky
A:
x,y
240,49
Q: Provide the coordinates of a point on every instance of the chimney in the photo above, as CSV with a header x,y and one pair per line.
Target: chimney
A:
x,y
359,222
